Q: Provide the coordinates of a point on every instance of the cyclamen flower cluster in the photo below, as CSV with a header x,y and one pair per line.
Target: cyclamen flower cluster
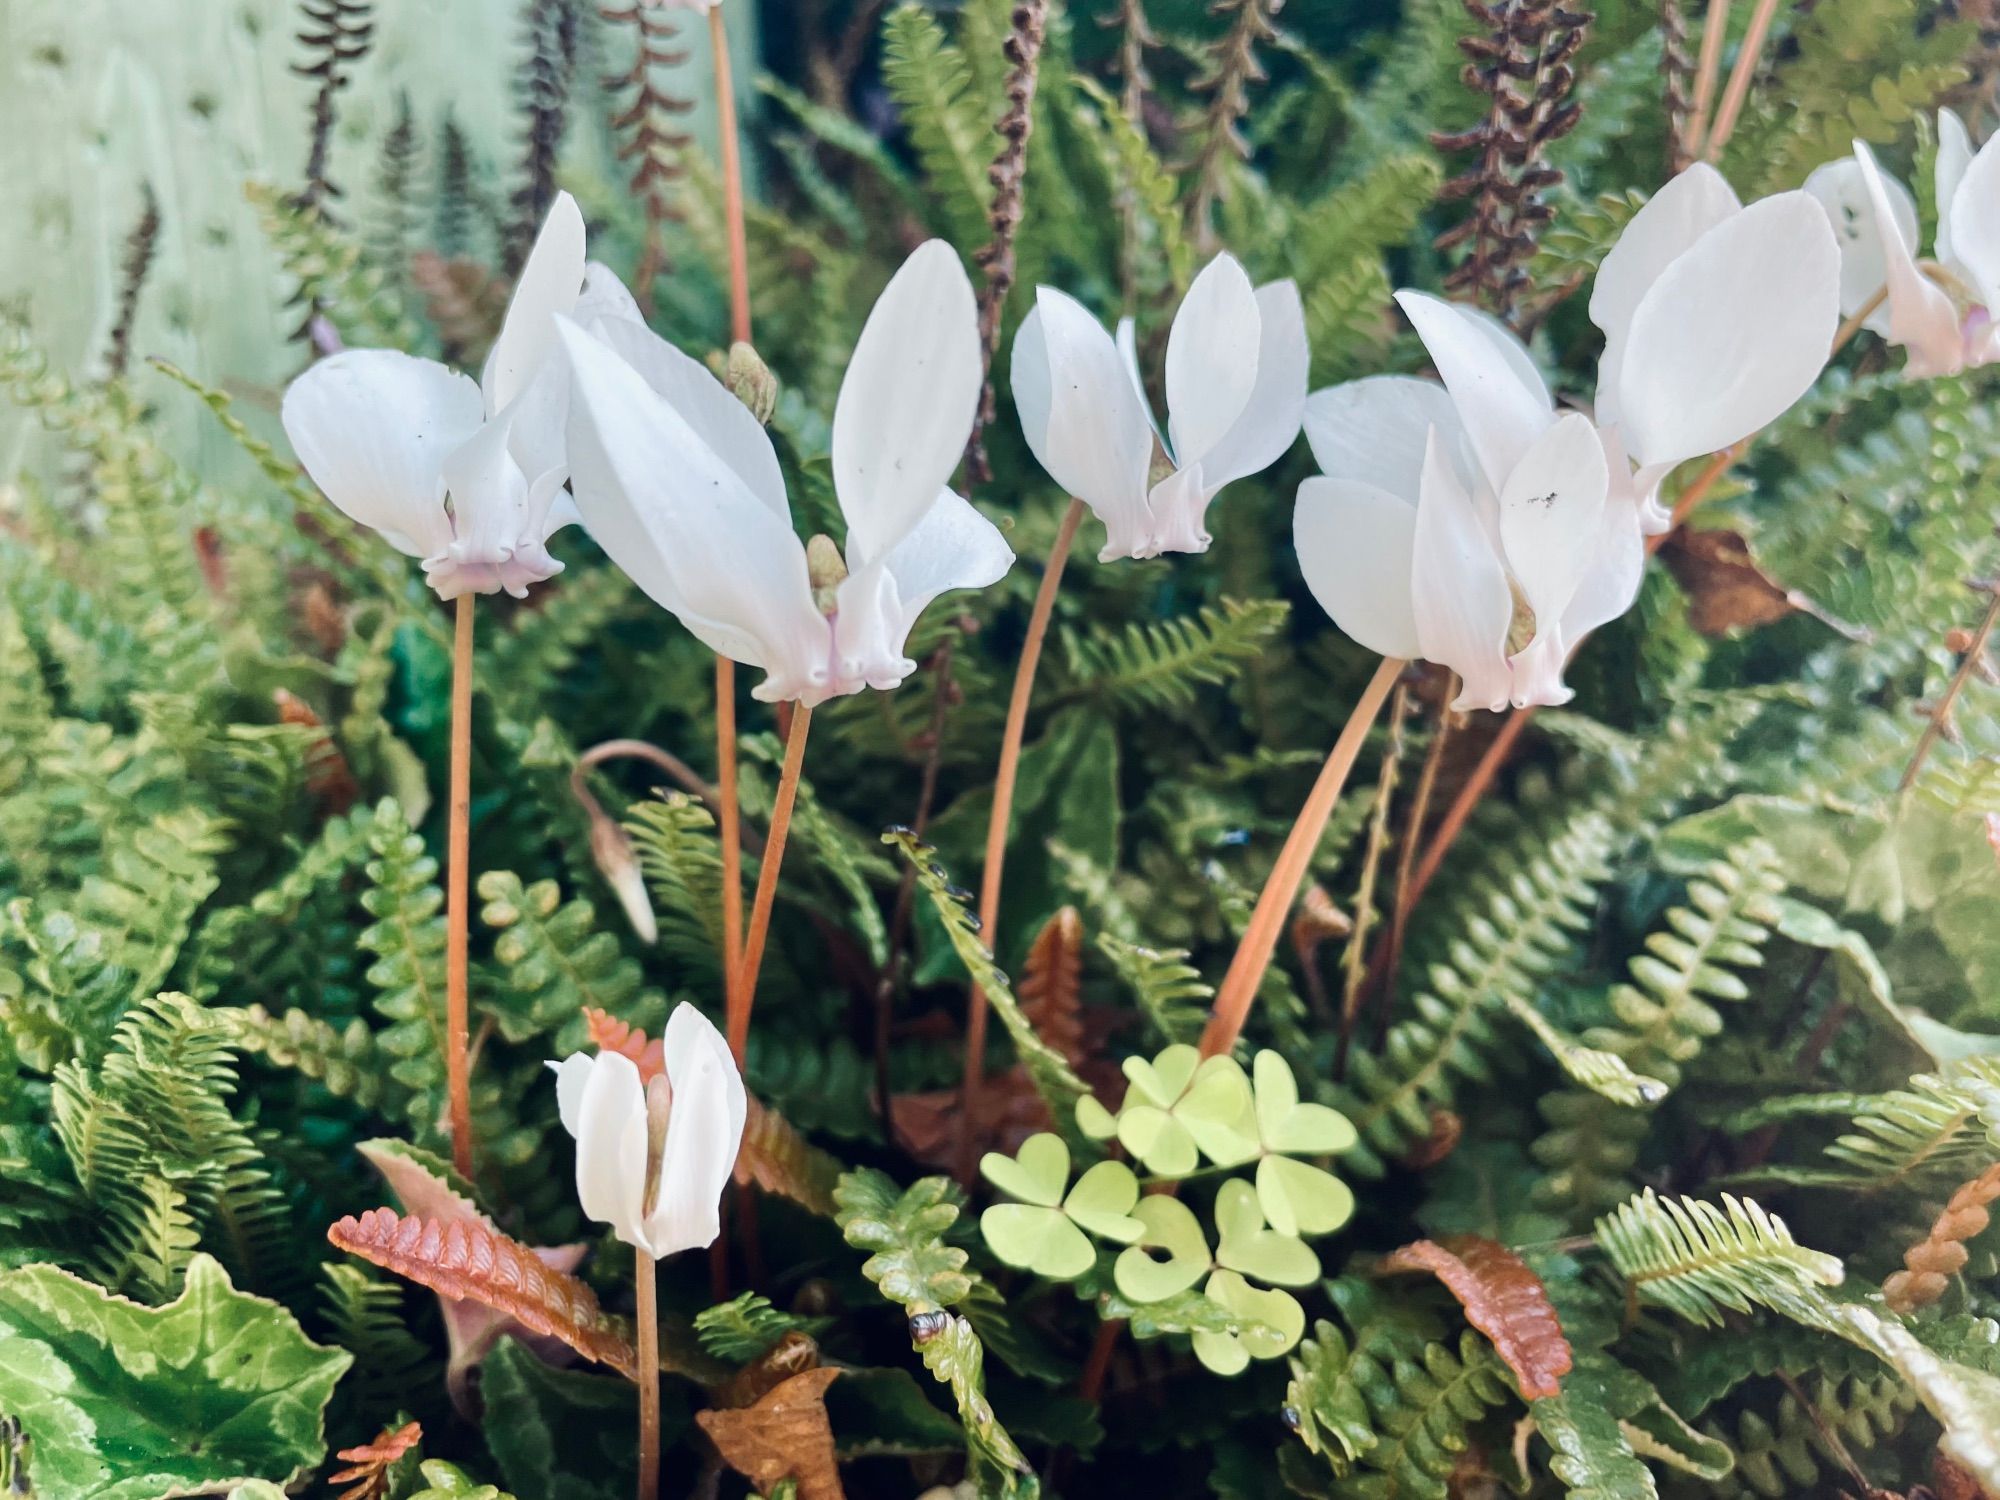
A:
x,y
1941,310
1471,523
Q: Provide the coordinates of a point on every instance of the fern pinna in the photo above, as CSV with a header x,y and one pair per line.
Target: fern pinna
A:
x,y
1618,1112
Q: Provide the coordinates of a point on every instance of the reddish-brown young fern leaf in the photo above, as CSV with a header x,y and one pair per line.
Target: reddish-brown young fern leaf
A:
x,y
648,139
367,1474
609,1034
1929,1265
329,779
1051,985
1503,1299
463,1260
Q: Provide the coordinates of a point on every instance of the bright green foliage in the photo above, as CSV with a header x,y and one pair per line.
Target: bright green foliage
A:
x,y
1701,1261
948,121
1781,1451
124,1402
1166,988
747,1326
903,1231
407,940
1160,666
443,1481
954,1356
556,960
331,272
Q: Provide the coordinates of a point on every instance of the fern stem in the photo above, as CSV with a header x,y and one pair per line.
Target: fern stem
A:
x,y
1975,653
745,989
1739,78
732,180
1003,809
645,1278
1714,31
458,1069
1260,939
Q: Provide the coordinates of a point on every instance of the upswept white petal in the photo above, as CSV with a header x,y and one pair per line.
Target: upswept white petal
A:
x,y
1375,430
1669,223
1128,351
1460,600
1501,412
550,281
372,427
604,299
1212,352
1550,510
1975,225
1921,315
704,1132
729,427
1732,333
1662,231
1269,423
1514,351
1841,189
571,1075
1179,504
1082,416
1954,155
1356,545
1618,558
685,527
907,403
611,1147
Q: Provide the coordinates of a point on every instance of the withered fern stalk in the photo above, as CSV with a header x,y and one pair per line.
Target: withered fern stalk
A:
x,y
1522,65
336,35
1676,76
133,268
1008,173
542,95
1135,35
649,141
1234,67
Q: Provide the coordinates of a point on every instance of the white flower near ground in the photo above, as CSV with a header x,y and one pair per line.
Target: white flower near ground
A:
x,y
1235,386
1941,310
1474,525
679,483
468,477
653,1158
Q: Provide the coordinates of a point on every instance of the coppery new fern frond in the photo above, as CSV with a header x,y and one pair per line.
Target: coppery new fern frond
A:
x,y
1929,1265
1676,77
648,138
1008,173
467,1260
609,1034
552,31
1522,64
367,1474
1233,69
133,268
336,35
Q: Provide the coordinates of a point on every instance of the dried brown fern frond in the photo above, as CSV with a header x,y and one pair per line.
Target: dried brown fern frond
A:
x,y
1227,83
470,1261
1522,64
133,267
1929,1265
1503,1299
1008,173
329,779
542,94
648,138
1135,35
336,35
1051,986
367,1474
464,300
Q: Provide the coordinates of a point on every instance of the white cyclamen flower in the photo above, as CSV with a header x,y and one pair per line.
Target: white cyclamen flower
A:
x,y
466,477
1716,318
1235,384
1943,312
653,1158
1465,524
678,482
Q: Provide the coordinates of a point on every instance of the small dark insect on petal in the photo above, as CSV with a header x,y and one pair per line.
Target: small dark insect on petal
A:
x,y
925,1326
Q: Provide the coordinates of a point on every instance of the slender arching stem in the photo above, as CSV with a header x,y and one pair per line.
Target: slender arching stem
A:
x,y
1739,77
646,1282
1714,31
458,848
744,991
1002,814
732,181
1274,902
1975,653
725,670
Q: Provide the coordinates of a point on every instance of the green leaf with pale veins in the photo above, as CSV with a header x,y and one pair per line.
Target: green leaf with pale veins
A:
x,y
127,1402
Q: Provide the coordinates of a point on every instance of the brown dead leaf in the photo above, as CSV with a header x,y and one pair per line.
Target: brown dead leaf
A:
x,y
1503,1299
1952,1482
793,1354
465,301
328,777
1051,987
1727,588
926,1124
783,1435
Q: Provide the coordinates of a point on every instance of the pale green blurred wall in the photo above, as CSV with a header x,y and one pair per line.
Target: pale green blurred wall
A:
x,y
196,96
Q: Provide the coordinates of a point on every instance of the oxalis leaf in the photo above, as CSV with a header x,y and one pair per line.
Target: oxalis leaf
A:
x,y
124,1402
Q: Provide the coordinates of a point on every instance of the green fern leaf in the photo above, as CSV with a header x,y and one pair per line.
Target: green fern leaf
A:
x,y
1160,666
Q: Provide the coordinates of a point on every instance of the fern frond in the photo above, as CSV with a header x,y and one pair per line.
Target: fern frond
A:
x,y
1169,990
1701,1261
950,125
555,962
1160,665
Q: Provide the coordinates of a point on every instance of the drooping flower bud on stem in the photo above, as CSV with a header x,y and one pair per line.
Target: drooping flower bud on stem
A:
x,y
827,570
750,380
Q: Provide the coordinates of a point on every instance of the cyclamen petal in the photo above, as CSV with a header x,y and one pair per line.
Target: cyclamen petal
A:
x,y
1459,593
1269,422
611,1148
550,282
1921,315
1212,353
1375,430
704,1133
1500,410
1954,155
1975,225
1841,188
1356,544
1550,510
